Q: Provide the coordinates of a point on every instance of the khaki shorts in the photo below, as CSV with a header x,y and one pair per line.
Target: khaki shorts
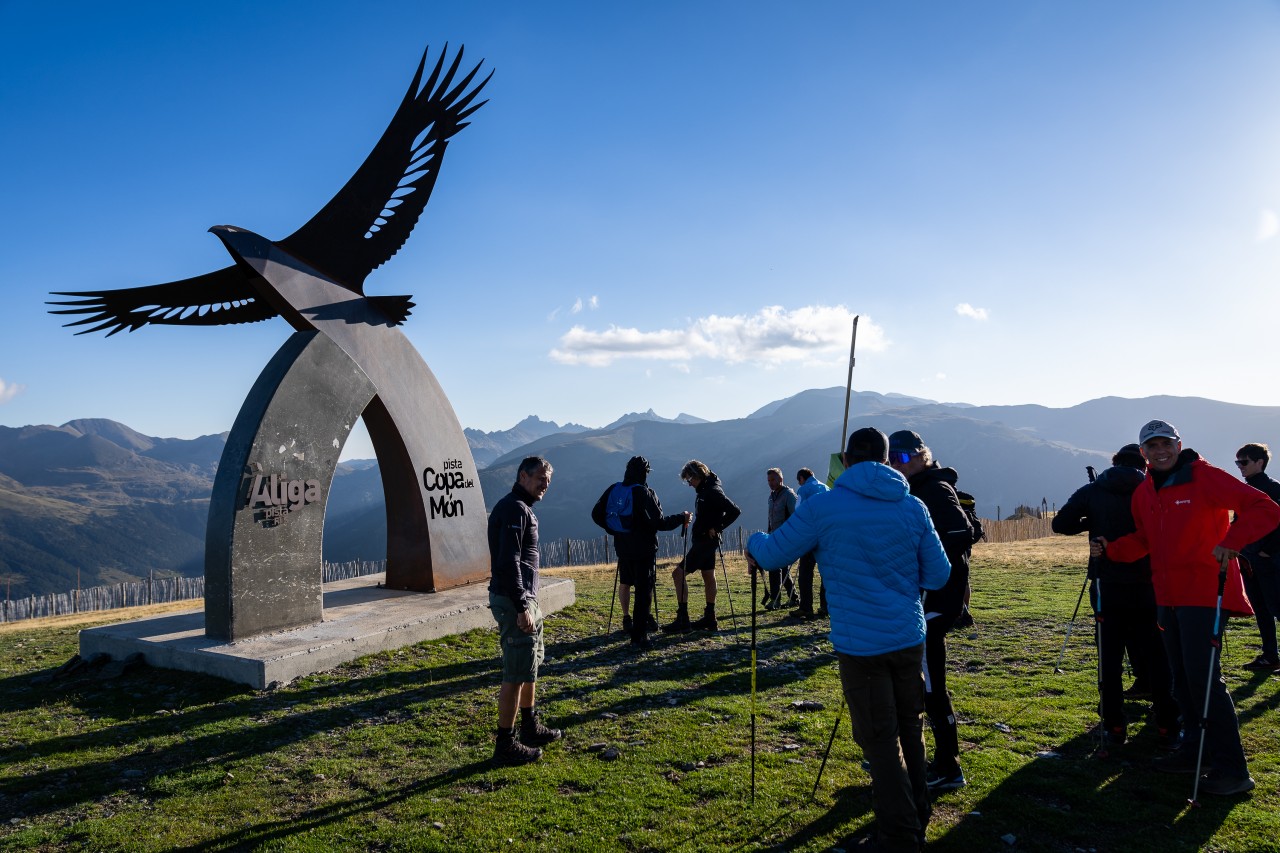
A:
x,y
521,653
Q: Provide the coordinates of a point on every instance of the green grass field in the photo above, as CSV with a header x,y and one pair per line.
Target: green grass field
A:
x,y
391,752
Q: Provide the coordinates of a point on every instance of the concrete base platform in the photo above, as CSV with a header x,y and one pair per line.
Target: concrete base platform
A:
x,y
360,618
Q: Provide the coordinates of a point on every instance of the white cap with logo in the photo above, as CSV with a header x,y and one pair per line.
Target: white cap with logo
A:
x,y
1158,429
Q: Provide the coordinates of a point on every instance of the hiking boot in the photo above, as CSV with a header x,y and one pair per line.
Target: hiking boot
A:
x,y
1225,786
1181,761
641,643
964,620
1168,740
680,625
1262,663
533,732
801,615
1115,735
707,622
626,624
509,751
773,603
821,613
793,601
940,783
650,623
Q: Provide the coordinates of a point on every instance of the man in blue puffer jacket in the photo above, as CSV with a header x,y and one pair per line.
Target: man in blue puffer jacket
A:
x,y
878,549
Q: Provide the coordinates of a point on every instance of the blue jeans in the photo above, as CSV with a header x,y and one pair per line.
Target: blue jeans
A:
x,y
885,694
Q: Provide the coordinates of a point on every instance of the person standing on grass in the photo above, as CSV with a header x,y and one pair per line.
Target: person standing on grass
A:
x,y
1182,512
513,598
878,550
712,513
1123,595
809,486
637,548
1260,561
935,487
782,503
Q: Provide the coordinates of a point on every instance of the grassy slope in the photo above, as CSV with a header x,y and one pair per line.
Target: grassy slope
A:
x,y
390,752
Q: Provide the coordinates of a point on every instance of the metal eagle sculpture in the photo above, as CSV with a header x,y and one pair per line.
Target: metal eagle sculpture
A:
x,y
360,228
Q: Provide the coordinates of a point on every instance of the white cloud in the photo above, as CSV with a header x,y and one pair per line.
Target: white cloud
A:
x,y
940,376
577,307
552,316
9,390
770,337
594,302
1268,225
964,309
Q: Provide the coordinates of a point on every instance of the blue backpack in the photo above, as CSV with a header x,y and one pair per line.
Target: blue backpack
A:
x,y
617,509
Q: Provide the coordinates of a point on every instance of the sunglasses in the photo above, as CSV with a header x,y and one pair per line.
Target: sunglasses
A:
x,y
1244,462
901,457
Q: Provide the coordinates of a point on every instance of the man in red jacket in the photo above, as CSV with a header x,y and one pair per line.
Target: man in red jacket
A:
x,y
1182,514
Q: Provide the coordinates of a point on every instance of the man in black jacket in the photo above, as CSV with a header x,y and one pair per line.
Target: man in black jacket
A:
x,y
1262,569
637,547
935,487
513,598
1124,602
712,513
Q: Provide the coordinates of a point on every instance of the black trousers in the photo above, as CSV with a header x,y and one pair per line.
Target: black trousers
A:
x,y
1125,617
807,564
642,574
937,701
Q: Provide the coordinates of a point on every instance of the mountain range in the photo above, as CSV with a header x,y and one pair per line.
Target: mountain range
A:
x,y
94,501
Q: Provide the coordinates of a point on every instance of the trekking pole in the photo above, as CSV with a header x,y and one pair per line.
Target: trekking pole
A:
x,y
1215,642
732,614
1057,667
1103,752
753,691
827,754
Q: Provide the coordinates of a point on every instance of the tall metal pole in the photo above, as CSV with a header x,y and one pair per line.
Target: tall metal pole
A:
x,y
848,388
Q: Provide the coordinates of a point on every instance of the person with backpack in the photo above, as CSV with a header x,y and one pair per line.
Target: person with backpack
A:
x,y
712,513
630,510
1123,599
935,486
782,504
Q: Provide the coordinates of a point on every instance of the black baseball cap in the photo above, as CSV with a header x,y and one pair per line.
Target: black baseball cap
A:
x,y
868,445
906,441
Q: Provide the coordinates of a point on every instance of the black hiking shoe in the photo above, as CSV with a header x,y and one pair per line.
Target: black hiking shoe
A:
x,y
708,622
626,624
509,752
650,624
679,626
964,620
1168,739
534,733
940,783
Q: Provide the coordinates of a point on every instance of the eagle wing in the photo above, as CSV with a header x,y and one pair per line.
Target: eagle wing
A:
x,y
218,298
371,217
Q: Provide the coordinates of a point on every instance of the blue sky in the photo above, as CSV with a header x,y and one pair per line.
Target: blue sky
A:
x,y
667,205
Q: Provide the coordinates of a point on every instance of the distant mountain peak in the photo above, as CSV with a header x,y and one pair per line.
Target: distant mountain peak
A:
x,y
651,415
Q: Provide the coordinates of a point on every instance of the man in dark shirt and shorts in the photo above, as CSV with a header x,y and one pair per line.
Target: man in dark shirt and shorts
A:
x,y
513,598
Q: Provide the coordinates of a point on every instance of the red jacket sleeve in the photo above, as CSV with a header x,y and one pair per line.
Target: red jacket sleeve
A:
x,y
1256,514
